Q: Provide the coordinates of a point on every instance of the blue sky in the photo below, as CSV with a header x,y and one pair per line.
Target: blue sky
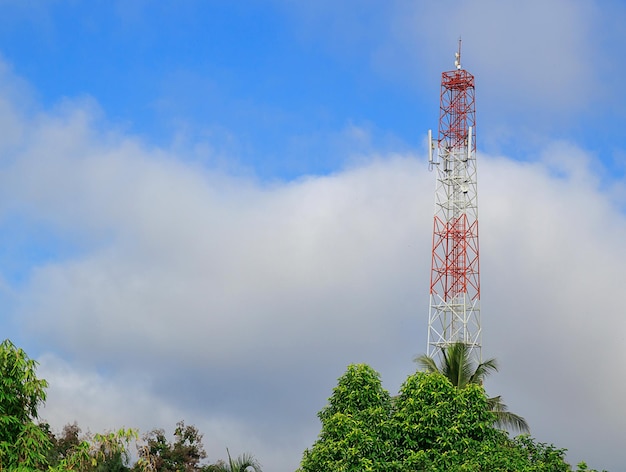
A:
x,y
271,84
249,77
208,209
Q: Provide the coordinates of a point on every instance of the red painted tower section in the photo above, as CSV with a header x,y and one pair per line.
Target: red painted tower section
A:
x,y
455,282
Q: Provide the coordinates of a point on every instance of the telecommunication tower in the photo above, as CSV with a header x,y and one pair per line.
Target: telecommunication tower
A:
x,y
454,314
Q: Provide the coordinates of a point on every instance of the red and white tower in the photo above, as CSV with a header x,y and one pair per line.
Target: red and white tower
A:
x,y
454,281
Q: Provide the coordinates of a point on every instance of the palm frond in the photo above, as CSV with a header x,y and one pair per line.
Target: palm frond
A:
x,y
427,363
242,463
483,370
504,418
246,461
511,421
456,364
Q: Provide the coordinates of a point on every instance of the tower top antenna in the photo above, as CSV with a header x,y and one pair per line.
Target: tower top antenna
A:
x,y
457,57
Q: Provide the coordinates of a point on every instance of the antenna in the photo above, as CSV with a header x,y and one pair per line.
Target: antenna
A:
x,y
457,56
430,150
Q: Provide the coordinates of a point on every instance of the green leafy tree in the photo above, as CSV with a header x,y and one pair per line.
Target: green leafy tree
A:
x,y
184,454
98,453
356,427
110,451
430,426
444,428
63,444
68,440
430,413
458,367
582,467
241,463
23,443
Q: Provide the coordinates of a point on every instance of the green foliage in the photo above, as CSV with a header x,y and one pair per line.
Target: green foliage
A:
x,y
63,445
582,467
184,454
26,446
430,426
541,456
23,444
457,366
356,427
103,452
430,413
241,463
358,390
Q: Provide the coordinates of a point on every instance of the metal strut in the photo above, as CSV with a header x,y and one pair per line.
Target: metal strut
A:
x,y
454,314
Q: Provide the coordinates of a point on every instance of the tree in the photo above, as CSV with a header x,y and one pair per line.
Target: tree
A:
x,y
68,441
356,426
23,443
110,451
242,463
184,454
430,413
442,428
432,425
458,367
62,445
107,452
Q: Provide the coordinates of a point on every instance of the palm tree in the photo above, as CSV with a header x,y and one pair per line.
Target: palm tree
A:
x,y
457,366
240,464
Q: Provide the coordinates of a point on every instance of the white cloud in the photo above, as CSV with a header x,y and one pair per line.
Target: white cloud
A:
x,y
528,56
189,267
230,301
552,268
239,304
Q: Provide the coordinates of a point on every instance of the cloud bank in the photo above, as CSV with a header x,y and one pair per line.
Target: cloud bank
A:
x,y
235,304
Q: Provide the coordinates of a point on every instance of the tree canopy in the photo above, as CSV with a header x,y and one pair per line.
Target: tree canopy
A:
x,y
355,432
430,426
22,442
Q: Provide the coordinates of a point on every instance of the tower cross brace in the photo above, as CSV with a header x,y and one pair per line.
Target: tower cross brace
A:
x,y
454,314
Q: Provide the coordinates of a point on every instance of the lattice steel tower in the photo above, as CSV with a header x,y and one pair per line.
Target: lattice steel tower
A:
x,y
454,281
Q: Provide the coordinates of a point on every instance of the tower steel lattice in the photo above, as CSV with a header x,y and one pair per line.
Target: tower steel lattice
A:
x,y
454,314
